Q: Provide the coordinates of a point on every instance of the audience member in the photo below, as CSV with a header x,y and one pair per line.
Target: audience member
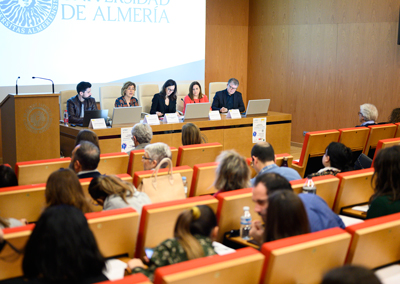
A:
x,y
85,159
194,232
350,274
386,199
141,135
320,216
367,115
263,161
87,135
394,116
112,193
165,101
285,216
337,159
7,177
229,98
154,153
76,106
232,172
190,134
127,98
63,187
195,95
62,249
11,222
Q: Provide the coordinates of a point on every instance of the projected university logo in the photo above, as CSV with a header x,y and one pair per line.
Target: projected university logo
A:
x,y
27,16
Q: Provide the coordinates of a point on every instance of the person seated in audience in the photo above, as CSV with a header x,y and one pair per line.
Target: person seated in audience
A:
x,y
127,98
76,106
232,172
190,134
194,232
367,115
62,249
386,199
195,95
87,135
263,161
85,159
394,116
337,159
7,177
141,135
229,98
154,153
320,216
285,216
165,101
63,187
350,274
112,193
11,222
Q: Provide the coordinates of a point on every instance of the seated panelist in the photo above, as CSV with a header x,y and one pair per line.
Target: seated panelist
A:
x,y
195,95
165,100
127,98
229,98
76,106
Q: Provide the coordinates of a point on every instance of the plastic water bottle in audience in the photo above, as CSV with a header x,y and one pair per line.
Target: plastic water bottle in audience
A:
x,y
284,162
184,184
245,223
309,186
65,117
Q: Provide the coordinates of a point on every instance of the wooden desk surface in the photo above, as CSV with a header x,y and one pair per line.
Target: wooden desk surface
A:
x,y
240,241
225,131
348,211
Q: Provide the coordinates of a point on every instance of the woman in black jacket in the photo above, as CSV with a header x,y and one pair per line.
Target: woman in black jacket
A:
x,y
165,101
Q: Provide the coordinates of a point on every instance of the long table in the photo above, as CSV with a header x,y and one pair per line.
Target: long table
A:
x,y
231,133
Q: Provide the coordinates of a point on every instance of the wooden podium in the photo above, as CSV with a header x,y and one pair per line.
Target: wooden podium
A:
x,y
30,127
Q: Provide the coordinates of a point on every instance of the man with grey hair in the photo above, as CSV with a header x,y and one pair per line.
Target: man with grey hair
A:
x,y
141,135
228,98
154,153
368,115
85,159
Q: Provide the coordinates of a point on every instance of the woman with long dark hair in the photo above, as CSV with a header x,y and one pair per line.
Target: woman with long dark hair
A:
x,y
165,101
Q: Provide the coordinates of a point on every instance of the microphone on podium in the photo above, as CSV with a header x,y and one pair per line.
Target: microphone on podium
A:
x,y
52,83
16,85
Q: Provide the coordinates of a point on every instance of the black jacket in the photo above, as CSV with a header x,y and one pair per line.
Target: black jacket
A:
x,y
158,104
220,101
74,106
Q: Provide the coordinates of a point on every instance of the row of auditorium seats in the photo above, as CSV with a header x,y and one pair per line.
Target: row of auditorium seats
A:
x,y
144,93
308,256
358,139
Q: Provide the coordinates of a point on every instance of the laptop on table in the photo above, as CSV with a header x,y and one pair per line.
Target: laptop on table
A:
x,y
126,115
197,110
257,107
92,114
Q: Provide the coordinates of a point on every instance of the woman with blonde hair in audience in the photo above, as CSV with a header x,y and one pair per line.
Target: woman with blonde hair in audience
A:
x,y
127,98
232,172
190,134
386,199
195,95
194,232
63,187
111,192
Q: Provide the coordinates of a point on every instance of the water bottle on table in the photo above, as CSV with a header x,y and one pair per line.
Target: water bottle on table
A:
x,y
309,186
245,223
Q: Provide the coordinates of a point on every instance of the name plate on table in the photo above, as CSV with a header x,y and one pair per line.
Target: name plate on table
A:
x,y
97,123
233,113
171,118
214,115
151,119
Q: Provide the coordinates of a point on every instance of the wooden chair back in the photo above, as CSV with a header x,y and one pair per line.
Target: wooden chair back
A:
x,y
385,143
314,146
113,163
135,160
108,95
354,188
146,93
375,242
203,179
115,231
327,187
242,267
304,258
376,133
157,221
38,171
397,130
230,209
355,138
191,155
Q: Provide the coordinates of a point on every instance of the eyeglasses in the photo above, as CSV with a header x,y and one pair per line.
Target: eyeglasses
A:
x,y
170,90
232,88
145,158
252,162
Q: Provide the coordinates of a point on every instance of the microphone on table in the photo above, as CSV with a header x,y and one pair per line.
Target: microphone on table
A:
x,y
16,85
52,83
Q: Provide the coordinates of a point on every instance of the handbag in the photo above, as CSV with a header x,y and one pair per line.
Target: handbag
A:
x,y
163,188
363,162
